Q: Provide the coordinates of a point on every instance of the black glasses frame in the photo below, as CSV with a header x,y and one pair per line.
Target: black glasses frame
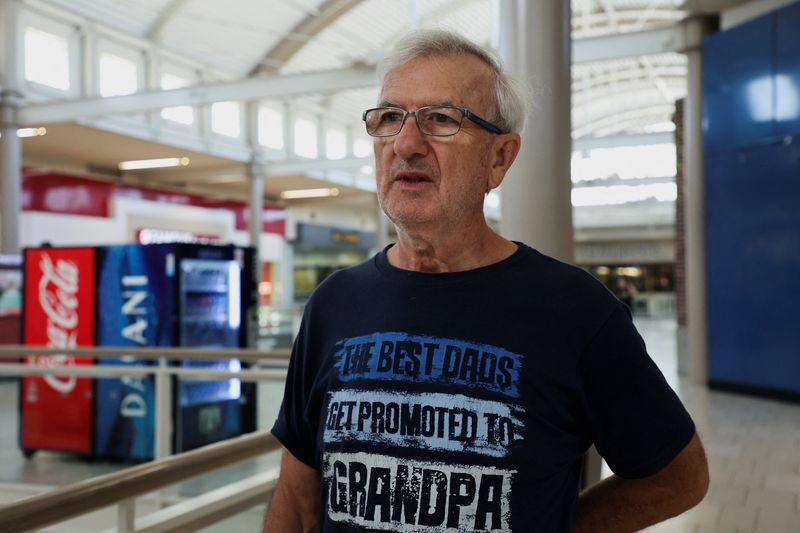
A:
x,y
465,113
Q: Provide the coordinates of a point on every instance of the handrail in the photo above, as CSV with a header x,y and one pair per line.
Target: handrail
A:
x,y
244,354
95,493
100,371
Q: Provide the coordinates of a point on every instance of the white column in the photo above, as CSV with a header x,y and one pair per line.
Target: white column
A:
x,y
10,145
288,129
322,136
256,177
536,206
286,295
10,173
382,231
694,207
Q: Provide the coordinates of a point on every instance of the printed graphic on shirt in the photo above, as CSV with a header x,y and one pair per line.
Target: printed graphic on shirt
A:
x,y
403,357
387,493
445,422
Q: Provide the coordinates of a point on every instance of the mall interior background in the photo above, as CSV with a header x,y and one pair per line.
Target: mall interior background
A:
x,y
303,153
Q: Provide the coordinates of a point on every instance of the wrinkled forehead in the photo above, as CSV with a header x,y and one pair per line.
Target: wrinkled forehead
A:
x,y
462,80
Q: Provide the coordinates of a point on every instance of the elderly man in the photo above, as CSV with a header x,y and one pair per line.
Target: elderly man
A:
x,y
454,381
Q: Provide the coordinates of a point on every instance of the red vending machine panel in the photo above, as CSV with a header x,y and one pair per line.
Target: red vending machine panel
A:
x,y
58,312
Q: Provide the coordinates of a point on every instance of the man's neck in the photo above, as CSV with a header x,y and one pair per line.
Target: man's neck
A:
x,y
444,250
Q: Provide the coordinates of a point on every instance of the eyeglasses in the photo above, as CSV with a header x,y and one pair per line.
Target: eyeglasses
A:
x,y
436,120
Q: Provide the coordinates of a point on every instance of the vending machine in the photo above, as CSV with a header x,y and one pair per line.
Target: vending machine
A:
x,y
166,295
135,308
56,411
216,305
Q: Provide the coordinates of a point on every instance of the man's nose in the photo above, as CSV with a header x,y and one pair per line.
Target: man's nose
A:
x,y
410,141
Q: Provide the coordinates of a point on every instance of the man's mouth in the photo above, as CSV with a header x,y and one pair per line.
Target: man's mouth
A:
x,y
412,178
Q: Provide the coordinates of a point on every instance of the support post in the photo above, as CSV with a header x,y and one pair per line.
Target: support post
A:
x,y
126,516
382,234
163,410
256,177
694,206
536,194
10,173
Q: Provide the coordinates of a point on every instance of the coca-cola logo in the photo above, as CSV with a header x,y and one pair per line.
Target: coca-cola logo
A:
x,y
58,296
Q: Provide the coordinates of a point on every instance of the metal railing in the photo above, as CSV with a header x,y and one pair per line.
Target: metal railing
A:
x,y
121,487
276,360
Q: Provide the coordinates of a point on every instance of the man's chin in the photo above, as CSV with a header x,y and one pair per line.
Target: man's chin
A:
x,y
405,219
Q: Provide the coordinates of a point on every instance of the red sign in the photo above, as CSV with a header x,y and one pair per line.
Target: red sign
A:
x,y
74,195
58,313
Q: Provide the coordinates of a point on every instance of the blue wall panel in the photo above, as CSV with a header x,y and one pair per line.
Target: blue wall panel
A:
x,y
738,85
752,138
753,229
787,62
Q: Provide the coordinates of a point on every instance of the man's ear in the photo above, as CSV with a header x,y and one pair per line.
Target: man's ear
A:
x,y
504,152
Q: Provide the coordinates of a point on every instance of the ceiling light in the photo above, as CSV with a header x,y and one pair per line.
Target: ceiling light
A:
x,y
309,193
154,163
30,132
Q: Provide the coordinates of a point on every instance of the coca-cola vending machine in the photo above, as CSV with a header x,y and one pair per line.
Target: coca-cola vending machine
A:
x,y
58,312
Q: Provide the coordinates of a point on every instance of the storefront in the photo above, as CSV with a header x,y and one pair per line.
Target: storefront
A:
x,y
640,273
319,251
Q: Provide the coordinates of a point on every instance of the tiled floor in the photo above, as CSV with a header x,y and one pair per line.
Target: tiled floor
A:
x,y
753,447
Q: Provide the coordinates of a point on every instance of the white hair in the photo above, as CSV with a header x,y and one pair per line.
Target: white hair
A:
x,y
511,100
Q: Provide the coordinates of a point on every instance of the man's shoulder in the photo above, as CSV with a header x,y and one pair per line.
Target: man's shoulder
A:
x,y
551,270
561,281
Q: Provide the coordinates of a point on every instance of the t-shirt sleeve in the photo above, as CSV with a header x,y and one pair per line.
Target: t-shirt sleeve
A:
x,y
296,425
638,424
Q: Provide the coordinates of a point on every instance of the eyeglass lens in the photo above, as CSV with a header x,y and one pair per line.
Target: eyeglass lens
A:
x,y
432,120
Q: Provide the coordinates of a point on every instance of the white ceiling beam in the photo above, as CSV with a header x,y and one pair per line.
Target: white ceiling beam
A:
x,y
316,21
631,44
240,90
300,166
155,31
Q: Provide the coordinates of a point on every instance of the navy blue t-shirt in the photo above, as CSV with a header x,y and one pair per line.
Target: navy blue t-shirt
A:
x,y
465,401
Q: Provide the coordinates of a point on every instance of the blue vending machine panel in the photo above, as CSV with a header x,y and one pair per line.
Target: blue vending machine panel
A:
x,y
753,239
135,308
787,76
738,86
210,311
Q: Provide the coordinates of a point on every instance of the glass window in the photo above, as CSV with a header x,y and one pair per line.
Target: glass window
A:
x,y
335,144
226,119
270,128
118,75
305,138
46,59
183,114
621,194
646,161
